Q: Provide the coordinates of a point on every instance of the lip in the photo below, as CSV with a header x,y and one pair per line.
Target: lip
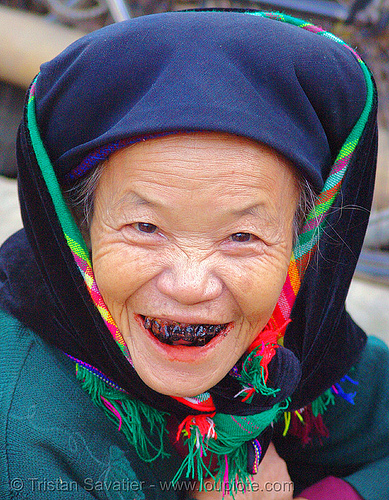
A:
x,y
182,353
187,319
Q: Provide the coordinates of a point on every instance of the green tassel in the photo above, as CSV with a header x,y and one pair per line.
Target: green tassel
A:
x,y
232,475
131,415
193,464
233,433
253,374
230,447
320,405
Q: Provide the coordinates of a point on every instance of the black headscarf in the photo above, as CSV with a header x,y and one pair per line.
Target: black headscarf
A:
x,y
265,77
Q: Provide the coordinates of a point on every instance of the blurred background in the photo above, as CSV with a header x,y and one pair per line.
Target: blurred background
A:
x,y
34,31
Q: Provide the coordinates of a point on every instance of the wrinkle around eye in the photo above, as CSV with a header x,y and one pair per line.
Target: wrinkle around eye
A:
x,y
255,247
132,235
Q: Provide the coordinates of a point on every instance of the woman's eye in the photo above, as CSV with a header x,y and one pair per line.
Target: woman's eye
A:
x,y
145,227
242,237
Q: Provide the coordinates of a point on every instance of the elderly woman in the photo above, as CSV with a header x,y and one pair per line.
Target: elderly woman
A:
x,y
195,189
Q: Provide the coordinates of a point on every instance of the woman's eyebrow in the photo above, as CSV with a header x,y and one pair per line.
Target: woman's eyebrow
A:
x,y
134,199
258,210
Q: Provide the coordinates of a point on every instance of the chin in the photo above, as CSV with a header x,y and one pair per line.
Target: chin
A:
x,y
180,390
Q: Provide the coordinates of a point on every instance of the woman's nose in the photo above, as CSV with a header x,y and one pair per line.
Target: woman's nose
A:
x,y
189,282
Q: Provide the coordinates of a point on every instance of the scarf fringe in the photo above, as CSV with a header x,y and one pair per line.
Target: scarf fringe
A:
x,y
255,372
308,421
224,438
129,415
308,426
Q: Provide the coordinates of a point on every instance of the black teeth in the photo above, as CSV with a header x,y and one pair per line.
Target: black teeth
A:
x,y
155,327
189,334
201,331
176,332
182,334
165,332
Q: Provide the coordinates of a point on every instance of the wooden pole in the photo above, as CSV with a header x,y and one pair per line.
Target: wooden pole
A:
x,y
27,40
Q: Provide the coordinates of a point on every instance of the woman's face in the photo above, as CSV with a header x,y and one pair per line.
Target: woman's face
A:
x,y
191,231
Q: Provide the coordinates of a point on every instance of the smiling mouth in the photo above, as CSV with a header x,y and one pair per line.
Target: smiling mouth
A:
x,y
173,333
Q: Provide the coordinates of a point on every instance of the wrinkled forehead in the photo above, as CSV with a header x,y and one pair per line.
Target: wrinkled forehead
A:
x,y
294,90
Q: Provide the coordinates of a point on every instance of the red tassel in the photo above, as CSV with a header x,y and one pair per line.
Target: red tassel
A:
x,y
268,338
269,335
310,427
250,392
203,422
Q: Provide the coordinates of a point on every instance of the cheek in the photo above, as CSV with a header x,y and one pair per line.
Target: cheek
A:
x,y
256,285
120,270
